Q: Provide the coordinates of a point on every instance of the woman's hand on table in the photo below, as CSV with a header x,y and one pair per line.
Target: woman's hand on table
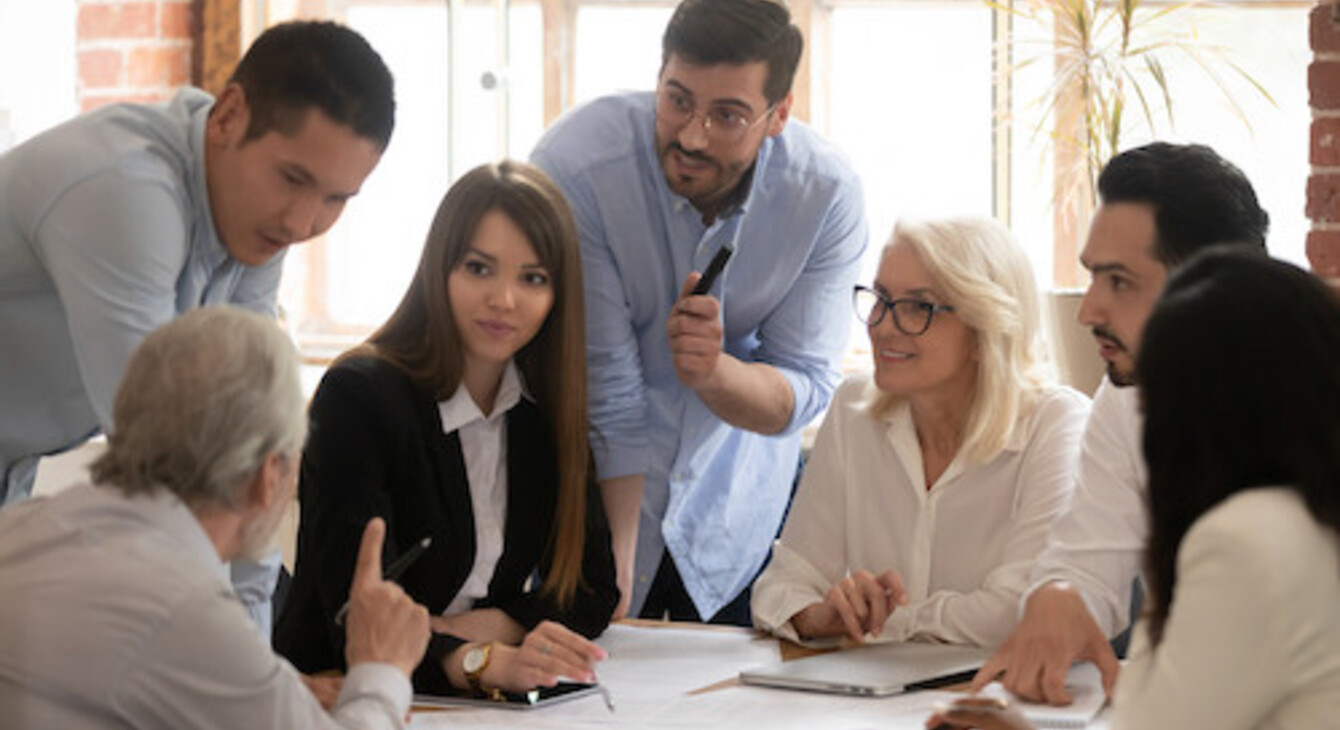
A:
x,y
856,605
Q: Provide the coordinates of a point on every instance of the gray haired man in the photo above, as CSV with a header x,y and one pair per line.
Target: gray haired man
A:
x,y
117,609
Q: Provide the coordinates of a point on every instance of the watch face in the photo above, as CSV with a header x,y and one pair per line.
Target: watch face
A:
x,y
474,659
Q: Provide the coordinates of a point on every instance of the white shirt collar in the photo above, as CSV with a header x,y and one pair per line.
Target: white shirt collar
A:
x,y
460,409
899,421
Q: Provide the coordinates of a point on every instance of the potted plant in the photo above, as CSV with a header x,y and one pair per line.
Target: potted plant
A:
x,y
1109,79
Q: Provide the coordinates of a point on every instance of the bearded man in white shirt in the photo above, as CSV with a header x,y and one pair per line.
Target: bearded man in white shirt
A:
x,y
1160,204
118,611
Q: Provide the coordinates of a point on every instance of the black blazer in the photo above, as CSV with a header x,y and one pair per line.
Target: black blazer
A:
x,y
376,448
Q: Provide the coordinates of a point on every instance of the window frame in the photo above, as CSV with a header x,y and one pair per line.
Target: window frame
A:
x,y
225,23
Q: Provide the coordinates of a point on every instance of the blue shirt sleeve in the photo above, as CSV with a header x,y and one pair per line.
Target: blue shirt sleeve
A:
x,y
114,247
806,336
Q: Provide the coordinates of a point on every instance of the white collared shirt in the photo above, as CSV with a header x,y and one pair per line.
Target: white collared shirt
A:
x,y
484,448
964,546
1098,543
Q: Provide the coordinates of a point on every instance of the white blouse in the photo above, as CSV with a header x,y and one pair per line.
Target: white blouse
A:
x,y
484,449
1253,637
964,547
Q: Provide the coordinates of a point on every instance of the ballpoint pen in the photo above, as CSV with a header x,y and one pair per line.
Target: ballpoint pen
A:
x,y
393,571
714,268
609,699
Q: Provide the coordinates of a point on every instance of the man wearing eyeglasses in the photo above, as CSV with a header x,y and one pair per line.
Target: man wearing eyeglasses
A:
x,y
697,401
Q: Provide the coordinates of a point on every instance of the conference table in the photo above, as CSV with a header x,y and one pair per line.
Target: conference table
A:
x,y
675,676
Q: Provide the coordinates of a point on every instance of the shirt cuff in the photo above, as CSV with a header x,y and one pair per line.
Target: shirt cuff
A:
x,y
373,684
801,413
1100,610
618,460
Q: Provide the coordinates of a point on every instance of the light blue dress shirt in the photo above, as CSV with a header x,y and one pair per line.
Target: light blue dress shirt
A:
x,y
106,233
714,494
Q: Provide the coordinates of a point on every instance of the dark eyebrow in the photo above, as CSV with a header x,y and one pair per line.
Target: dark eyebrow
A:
x,y
487,257
728,101
300,172
306,177
1108,268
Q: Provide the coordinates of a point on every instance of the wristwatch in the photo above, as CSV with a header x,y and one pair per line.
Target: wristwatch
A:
x,y
475,662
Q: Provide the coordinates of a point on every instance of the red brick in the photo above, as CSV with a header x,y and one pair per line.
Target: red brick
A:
x,y
1324,28
1323,83
100,68
1323,252
118,20
175,22
158,65
90,102
1323,197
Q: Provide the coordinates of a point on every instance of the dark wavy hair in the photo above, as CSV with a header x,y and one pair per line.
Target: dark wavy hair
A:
x,y
1238,378
1199,198
305,64
736,32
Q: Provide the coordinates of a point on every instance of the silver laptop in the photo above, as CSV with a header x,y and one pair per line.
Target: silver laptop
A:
x,y
874,670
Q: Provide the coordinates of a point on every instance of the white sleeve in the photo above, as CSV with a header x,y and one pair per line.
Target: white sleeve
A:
x,y
811,554
985,616
1097,543
209,669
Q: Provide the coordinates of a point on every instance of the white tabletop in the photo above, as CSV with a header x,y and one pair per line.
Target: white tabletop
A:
x,y
677,677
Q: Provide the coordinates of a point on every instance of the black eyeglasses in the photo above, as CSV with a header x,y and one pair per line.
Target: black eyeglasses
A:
x,y
912,317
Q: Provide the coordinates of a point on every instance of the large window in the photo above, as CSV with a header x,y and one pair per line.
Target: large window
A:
x,y
37,67
909,89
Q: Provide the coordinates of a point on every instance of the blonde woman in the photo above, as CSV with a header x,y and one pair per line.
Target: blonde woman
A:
x,y
933,479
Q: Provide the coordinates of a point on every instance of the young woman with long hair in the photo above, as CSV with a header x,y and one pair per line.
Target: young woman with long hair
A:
x,y
463,419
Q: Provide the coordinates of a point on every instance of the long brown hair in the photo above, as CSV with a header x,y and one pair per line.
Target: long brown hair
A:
x,y
421,336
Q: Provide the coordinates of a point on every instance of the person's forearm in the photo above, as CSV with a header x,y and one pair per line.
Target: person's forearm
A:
x,y
481,625
752,396
622,497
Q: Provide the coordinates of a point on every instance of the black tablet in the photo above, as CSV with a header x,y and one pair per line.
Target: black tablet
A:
x,y
540,697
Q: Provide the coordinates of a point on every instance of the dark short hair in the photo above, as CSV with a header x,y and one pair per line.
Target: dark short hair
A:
x,y
736,32
300,65
1237,371
1199,198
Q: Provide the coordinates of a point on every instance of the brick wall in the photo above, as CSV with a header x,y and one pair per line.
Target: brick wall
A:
x,y
1323,187
132,51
